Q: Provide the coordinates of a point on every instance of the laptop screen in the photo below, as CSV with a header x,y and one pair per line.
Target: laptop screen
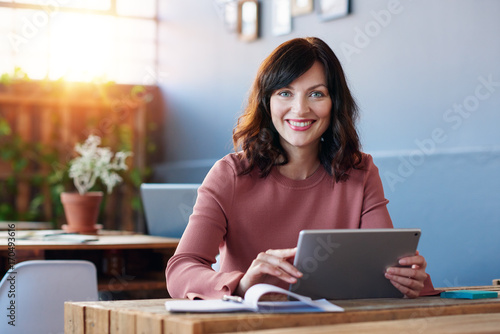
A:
x,y
167,207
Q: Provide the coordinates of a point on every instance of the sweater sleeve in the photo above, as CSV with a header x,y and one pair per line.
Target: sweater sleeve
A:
x,y
374,211
189,273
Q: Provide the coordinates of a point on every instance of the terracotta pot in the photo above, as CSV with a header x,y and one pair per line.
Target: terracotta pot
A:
x,y
81,211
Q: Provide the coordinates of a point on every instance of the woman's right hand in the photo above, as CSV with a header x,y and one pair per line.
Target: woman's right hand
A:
x,y
270,267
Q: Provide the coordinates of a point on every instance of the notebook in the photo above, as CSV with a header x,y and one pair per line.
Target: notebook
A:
x,y
167,207
350,264
251,303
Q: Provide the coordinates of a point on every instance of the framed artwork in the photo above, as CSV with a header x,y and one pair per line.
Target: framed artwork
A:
x,y
230,14
281,17
301,7
332,9
248,20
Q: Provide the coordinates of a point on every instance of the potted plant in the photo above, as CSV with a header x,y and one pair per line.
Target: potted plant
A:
x,y
82,208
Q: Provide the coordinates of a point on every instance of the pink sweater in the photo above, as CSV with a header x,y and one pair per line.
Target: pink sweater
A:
x,y
239,216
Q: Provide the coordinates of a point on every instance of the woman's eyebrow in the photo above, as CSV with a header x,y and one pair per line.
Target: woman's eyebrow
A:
x,y
312,87
318,85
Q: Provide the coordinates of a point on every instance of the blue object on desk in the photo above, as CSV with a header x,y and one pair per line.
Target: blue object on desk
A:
x,y
469,294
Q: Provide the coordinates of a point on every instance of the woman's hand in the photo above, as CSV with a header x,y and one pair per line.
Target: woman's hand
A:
x,y
410,280
270,267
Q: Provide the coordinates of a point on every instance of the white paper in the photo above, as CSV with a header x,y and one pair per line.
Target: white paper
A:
x,y
251,303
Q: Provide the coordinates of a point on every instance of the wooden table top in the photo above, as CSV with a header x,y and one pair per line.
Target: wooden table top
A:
x,y
452,324
34,240
150,316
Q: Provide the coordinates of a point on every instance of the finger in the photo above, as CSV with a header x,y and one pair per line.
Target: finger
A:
x,y
412,273
260,268
284,253
405,290
413,260
407,283
279,262
409,288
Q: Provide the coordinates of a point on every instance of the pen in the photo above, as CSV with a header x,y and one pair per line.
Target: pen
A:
x,y
235,299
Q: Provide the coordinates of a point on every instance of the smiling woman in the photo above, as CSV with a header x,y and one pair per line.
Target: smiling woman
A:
x,y
297,166
80,41
300,112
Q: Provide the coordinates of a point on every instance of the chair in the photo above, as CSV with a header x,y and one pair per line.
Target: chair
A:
x,y
38,289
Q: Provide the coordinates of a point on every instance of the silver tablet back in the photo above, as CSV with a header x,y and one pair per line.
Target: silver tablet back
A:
x,y
350,264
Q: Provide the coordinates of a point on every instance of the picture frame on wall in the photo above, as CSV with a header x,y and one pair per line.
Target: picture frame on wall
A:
x,y
332,9
281,17
302,7
248,20
230,14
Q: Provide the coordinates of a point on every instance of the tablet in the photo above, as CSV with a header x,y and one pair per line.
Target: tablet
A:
x,y
350,264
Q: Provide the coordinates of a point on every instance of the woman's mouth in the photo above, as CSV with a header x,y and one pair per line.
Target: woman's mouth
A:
x,y
300,125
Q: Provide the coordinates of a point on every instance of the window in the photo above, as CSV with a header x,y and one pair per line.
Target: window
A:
x,y
80,40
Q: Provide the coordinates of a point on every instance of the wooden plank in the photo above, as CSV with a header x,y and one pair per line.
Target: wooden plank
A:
x,y
97,320
4,225
54,101
122,322
127,241
46,133
152,312
456,324
127,285
356,311
127,214
481,287
74,315
24,130
140,137
182,327
149,323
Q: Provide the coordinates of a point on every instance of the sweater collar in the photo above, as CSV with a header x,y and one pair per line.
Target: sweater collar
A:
x,y
311,181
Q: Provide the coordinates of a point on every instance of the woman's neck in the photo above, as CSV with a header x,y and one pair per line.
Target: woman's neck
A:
x,y
301,165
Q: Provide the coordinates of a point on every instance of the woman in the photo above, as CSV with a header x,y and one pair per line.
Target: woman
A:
x,y
300,168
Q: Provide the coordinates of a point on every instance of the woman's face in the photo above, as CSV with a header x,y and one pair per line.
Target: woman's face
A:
x,y
301,111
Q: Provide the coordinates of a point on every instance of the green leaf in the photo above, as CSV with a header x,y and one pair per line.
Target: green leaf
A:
x,y
136,203
137,91
5,129
19,165
36,203
135,177
6,211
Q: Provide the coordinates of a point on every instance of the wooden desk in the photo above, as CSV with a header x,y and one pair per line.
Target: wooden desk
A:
x,y
150,316
452,324
4,226
142,258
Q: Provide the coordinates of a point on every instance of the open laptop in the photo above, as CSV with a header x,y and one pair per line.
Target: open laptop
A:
x,y
350,264
167,207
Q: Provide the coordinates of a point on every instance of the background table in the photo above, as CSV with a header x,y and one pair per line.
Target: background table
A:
x,y
131,265
150,316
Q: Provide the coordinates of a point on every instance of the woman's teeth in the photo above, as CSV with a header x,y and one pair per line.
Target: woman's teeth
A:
x,y
300,124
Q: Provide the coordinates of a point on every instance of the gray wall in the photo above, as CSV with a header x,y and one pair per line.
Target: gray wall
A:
x,y
426,75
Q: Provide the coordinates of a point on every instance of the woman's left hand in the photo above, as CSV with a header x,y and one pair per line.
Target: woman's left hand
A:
x,y
409,280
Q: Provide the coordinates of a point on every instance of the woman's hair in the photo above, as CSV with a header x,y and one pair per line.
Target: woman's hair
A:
x,y
255,133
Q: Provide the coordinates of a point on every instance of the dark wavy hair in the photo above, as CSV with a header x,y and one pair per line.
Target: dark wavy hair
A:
x,y
255,133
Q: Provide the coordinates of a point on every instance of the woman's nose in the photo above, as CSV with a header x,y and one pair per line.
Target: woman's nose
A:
x,y
301,107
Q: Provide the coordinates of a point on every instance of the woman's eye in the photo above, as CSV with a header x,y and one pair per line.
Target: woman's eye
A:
x,y
284,94
317,94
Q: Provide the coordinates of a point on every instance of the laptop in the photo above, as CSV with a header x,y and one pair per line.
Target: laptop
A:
x,y
167,207
350,264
